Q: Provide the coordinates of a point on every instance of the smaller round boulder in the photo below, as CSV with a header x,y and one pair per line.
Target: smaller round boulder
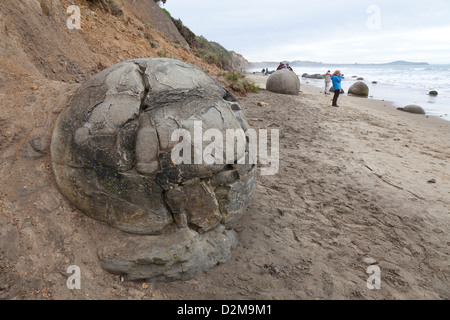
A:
x,y
359,89
283,81
412,108
433,93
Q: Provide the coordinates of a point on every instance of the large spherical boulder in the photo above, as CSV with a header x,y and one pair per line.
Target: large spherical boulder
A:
x,y
359,89
112,159
412,108
284,81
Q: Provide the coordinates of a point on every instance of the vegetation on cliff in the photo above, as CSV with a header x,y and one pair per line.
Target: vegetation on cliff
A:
x,y
239,83
215,53
211,52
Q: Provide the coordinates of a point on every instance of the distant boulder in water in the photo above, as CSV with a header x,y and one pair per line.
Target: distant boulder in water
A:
x,y
412,108
283,81
313,76
359,89
433,93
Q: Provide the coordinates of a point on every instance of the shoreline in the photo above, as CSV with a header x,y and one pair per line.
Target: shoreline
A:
x,y
363,184
371,103
400,94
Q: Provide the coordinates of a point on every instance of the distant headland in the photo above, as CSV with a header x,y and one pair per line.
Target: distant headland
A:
x,y
264,64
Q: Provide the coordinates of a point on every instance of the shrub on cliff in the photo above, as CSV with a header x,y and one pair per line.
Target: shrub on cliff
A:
x,y
212,52
187,34
239,83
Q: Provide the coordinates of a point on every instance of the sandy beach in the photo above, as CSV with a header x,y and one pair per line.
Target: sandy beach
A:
x,y
359,208
354,190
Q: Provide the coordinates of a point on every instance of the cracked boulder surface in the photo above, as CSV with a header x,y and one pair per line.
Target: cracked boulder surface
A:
x,y
111,157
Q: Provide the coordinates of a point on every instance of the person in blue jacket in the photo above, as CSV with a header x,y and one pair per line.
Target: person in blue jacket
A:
x,y
336,78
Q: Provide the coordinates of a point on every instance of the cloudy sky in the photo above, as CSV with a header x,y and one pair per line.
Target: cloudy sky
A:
x,y
345,31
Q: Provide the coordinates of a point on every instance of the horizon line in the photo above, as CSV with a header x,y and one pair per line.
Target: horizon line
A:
x,y
354,63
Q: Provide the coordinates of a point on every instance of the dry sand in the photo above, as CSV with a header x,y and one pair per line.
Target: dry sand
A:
x,y
352,190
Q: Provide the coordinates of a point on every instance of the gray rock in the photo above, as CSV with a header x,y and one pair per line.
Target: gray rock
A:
x,y
412,108
314,76
433,93
359,89
369,260
111,158
37,145
284,81
180,255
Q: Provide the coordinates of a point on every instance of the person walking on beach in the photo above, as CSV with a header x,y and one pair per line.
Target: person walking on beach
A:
x,y
327,81
336,78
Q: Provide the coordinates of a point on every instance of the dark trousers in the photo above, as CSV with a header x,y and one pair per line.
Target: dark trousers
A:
x,y
336,96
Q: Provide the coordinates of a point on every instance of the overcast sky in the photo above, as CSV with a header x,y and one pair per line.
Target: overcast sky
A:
x,y
345,31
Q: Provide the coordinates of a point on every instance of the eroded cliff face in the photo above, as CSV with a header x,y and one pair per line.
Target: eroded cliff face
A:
x,y
240,63
150,12
42,64
36,40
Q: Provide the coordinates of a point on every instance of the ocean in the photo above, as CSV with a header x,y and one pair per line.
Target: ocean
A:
x,y
399,84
